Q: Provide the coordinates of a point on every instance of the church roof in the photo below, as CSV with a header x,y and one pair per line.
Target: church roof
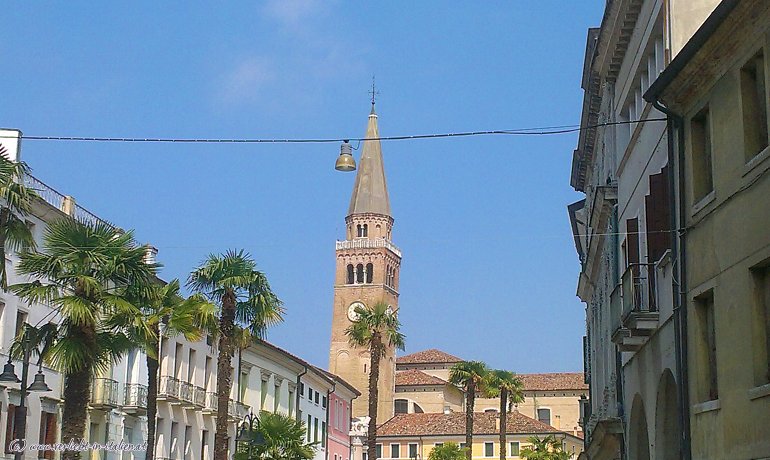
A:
x,y
454,424
370,191
554,381
413,377
431,356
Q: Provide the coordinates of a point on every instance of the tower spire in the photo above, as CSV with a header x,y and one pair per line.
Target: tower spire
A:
x,y
370,191
374,93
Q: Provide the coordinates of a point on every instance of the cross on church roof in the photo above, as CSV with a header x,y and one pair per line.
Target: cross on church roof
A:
x,y
374,93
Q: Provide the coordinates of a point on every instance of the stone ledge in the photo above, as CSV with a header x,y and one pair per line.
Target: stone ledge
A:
x,y
707,406
759,392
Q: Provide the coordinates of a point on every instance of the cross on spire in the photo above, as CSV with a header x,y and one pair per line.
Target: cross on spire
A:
x,y
374,93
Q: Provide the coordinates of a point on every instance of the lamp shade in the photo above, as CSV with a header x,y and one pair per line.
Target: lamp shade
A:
x,y
39,383
9,374
345,162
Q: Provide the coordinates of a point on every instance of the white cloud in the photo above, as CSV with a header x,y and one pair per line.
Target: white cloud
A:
x,y
247,80
293,13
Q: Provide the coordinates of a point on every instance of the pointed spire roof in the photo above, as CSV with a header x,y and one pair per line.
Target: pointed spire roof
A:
x,y
370,191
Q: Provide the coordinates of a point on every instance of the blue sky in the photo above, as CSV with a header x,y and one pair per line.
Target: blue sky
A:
x,y
489,269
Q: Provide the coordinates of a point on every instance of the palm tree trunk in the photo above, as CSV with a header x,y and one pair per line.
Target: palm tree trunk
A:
x,y
152,405
374,380
4,214
470,402
224,375
503,421
77,395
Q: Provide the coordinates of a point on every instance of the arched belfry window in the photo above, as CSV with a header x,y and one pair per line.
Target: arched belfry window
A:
x,y
350,274
359,274
359,231
369,273
366,230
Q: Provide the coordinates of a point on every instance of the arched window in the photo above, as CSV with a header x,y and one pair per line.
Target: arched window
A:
x,y
369,273
359,274
359,231
366,230
350,274
417,409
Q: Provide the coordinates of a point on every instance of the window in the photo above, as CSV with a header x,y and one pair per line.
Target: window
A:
x,y
360,274
369,273
21,318
204,445
349,279
359,231
302,389
309,424
462,445
544,415
761,325
323,434
700,139
417,408
315,430
263,394
438,444
9,424
412,450
277,397
401,406
187,443
489,449
317,396
48,433
366,230
490,411
514,449
379,450
706,347
395,451
754,105
364,456
323,402
173,438
309,394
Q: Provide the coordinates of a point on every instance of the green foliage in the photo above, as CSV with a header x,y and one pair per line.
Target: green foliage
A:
x,y
469,374
233,275
378,319
449,451
547,448
497,380
88,270
277,437
16,203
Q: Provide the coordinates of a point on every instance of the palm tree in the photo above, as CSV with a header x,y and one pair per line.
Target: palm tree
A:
x,y
87,269
547,448
469,376
374,329
16,204
164,313
508,387
245,300
280,437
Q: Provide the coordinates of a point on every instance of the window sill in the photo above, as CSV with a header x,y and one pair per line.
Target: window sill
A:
x,y
759,392
708,406
703,202
756,161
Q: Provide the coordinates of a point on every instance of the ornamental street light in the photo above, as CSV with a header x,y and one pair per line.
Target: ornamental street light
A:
x,y
9,375
345,162
249,436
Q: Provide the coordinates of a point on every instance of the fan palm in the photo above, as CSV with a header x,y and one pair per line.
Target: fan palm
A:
x,y
470,376
447,451
163,313
374,329
280,437
87,269
508,387
16,204
246,301
547,448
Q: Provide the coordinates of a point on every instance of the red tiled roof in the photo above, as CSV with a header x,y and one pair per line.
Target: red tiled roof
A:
x,y
428,357
454,424
413,377
554,381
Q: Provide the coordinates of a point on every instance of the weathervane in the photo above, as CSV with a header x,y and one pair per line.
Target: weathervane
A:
x,y
374,93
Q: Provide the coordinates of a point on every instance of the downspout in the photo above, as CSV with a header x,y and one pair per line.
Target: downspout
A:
x,y
298,394
675,123
328,408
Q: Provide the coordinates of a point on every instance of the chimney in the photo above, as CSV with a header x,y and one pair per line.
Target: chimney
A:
x,y
150,254
447,410
10,144
68,205
497,422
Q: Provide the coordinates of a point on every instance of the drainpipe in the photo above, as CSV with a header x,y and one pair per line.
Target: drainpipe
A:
x,y
328,408
679,270
297,393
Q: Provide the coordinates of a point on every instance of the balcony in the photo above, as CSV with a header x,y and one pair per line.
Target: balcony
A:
x,y
135,399
366,243
633,307
191,396
104,394
168,388
235,409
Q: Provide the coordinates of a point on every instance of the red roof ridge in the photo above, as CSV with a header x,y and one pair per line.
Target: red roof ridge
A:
x,y
414,377
432,355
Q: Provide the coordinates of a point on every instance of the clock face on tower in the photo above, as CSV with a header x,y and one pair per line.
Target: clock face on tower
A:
x,y
352,315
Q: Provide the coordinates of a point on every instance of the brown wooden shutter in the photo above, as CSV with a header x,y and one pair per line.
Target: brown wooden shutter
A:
x,y
9,422
632,245
658,210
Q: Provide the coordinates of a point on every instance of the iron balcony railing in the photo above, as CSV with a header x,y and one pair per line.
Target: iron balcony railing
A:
x,y
638,289
104,392
57,200
169,387
135,395
616,308
235,409
192,394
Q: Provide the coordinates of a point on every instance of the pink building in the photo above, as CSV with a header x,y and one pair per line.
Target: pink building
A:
x,y
338,434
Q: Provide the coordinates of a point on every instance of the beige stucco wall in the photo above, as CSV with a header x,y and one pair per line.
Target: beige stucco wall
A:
x,y
728,237
564,405
686,17
425,444
433,399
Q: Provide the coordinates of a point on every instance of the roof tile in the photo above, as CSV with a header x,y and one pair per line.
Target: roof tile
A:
x,y
413,377
428,357
454,424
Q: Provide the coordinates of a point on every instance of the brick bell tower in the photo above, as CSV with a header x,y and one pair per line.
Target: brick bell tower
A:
x,y
368,265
